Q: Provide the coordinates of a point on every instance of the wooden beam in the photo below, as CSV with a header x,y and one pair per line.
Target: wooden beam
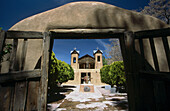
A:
x,y
131,71
152,33
13,55
20,95
24,35
167,51
86,33
154,55
142,65
2,41
21,87
44,73
109,30
12,67
23,54
19,75
85,36
155,75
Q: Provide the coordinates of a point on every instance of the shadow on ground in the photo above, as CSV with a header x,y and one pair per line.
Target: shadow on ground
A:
x,y
58,93
118,103
121,104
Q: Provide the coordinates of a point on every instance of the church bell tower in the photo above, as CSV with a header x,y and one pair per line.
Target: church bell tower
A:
x,y
98,58
74,59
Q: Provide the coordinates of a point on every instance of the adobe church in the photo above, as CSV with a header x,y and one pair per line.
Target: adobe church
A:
x,y
86,66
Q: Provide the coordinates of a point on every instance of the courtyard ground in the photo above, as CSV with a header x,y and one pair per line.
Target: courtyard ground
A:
x,y
68,98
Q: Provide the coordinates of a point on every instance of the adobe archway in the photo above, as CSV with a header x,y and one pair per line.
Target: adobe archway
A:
x,y
89,15
84,15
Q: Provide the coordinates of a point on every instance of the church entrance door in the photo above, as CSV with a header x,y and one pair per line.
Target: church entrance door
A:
x,y
82,77
85,78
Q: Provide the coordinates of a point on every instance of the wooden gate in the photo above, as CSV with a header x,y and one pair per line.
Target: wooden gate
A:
x,y
148,87
22,90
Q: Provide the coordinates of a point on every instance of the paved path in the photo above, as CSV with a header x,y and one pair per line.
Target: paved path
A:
x,y
103,91
100,100
83,96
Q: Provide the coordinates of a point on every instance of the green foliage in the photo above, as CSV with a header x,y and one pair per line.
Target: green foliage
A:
x,y
59,72
113,74
7,49
117,74
104,74
104,60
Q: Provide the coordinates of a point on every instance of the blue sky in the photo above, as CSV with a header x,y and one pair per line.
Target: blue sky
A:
x,y
62,48
12,11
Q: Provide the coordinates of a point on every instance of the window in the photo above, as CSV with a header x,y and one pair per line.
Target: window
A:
x,y
74,59
98,58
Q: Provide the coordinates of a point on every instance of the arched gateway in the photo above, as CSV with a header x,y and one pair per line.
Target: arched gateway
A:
x,y
91,20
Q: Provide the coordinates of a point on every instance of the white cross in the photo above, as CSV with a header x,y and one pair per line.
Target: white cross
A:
x,y
75,48
97,48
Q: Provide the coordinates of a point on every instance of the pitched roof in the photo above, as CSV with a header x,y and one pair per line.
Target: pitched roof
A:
x,y
74,52
86,56
97,51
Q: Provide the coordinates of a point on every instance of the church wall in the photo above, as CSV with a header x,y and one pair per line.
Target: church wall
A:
x,y
96,78
74,65
98,65
95,75
76,76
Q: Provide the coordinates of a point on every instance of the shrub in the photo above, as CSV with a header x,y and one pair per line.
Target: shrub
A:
x,y
117,74
59,71
113,74
104,74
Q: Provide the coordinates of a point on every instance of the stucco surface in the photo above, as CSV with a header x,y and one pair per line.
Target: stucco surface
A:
x,y
88,15
83,15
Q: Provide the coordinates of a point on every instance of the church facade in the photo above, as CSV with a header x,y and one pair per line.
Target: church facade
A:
x,y
86,66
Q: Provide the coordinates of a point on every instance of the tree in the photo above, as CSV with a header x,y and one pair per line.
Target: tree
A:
x,y
159,9
114,74
104,60
59,71
114,52
104,73
117,74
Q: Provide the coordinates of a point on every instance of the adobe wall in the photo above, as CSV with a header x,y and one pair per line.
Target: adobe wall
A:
x,y
87,15
95,75
98,64
74,65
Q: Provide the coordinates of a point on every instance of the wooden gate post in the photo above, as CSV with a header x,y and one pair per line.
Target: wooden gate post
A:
x,y
128,52
2,41
44,73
